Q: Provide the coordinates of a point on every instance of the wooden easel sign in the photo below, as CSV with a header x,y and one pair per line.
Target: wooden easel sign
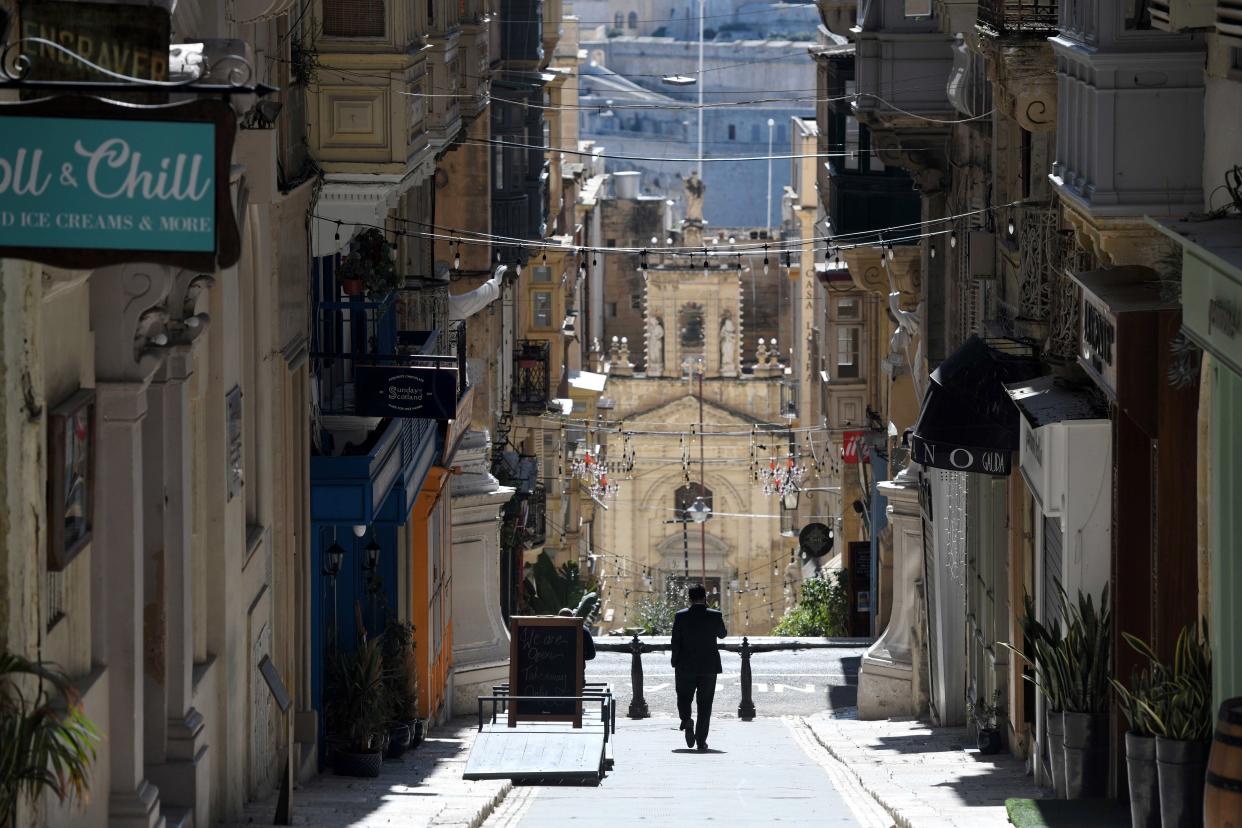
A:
x,y
545,659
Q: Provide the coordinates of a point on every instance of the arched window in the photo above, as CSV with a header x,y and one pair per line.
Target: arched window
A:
x,y
618,20
684,498
633,20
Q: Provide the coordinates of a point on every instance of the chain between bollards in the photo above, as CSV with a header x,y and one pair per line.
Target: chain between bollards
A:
x,y
746,710
638,704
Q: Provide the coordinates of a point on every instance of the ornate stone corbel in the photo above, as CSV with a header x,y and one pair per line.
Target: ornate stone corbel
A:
x,y
129,318
186,323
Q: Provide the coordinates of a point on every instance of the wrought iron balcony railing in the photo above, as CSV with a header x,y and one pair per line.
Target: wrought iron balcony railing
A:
x,y
368,365
531,382
1017,18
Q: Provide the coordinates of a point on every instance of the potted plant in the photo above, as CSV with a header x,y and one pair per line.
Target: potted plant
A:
x,y
1180,711
358,708
1085,657
987,719
1135,701
1047,661
401,678
46,742
369,265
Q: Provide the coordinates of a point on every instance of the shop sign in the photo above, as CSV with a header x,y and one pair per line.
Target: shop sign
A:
x,y
960,458
852,448
816,539
126,39
1097,349
86,183
423,391
1031,459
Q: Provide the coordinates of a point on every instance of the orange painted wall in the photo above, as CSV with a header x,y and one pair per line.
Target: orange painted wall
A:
x,y
431,590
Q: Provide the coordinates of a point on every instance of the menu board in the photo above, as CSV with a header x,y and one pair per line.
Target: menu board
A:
x,y
545,660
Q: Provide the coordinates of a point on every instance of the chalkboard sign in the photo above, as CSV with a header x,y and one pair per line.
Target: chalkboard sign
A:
x,y
545,659
860,588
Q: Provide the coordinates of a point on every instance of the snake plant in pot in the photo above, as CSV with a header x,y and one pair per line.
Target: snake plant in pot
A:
x,y
1085,656
401,679
1134,702
1180,713
1044,646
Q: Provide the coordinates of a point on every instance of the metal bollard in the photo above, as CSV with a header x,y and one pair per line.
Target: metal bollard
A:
x,y
746,710
638,704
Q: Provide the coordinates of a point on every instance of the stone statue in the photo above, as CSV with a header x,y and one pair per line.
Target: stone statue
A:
x,y
655,347
761,354
774,355
694,197
625,352
728,349
907,333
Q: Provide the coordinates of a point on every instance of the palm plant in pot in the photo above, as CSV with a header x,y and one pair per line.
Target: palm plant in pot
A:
x,y
1135,701
1086,653
46,741
1180,712
401,679
358,708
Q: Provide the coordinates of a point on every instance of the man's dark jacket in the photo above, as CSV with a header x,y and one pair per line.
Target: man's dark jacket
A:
x,y
695,630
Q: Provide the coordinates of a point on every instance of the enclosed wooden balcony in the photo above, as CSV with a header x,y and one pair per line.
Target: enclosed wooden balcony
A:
x,y
1017,18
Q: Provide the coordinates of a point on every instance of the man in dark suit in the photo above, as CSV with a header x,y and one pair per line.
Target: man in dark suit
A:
x,y
696,662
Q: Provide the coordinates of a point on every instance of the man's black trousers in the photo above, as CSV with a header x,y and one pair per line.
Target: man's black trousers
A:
x,y
688,685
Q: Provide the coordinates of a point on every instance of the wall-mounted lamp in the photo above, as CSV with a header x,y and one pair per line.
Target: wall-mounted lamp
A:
x,y
372,550
333,557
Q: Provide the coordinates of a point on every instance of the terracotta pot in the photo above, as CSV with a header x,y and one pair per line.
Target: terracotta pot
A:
x,y
353,287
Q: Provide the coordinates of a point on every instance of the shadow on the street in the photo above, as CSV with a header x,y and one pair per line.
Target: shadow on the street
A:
x,y
918,744
695,750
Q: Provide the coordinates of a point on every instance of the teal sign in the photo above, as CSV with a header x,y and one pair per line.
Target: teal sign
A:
x,y
68,182
99,189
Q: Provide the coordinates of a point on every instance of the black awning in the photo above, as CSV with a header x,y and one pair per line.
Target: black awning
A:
x,y
968,422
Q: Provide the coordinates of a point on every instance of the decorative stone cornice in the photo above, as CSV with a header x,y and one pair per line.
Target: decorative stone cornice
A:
x,y
1024,80
1115,241
913,150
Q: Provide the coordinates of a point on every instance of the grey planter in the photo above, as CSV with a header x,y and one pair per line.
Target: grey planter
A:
x,y
1056,752
1182,770
1144,782
1086,755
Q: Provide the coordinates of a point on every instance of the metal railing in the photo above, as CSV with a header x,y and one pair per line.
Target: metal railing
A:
x,y
531,382
1017,18
638,708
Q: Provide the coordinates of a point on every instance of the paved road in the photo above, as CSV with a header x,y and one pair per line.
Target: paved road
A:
x,y
756,774
785,683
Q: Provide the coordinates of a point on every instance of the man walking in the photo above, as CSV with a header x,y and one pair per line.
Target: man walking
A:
x,y
696,662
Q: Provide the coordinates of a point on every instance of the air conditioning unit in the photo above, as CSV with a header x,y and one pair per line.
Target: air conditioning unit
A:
x,y
1229,19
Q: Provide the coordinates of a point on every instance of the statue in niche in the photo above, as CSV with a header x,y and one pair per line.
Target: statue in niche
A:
x,y
694,198
761,354
728,349
655,347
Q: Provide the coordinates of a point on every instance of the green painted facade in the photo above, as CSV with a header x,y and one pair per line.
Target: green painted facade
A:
x,y
1226,532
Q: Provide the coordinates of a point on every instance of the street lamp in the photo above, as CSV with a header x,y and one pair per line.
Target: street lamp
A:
x,y
768,216
789,500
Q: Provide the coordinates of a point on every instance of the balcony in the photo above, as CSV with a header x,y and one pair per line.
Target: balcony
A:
x,y
534,531
521,43
367,366
531,376
443,59
1124,98
1017,18
901,63
474,63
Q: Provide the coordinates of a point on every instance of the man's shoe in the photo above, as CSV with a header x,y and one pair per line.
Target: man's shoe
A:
x,y
688,726
702,747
